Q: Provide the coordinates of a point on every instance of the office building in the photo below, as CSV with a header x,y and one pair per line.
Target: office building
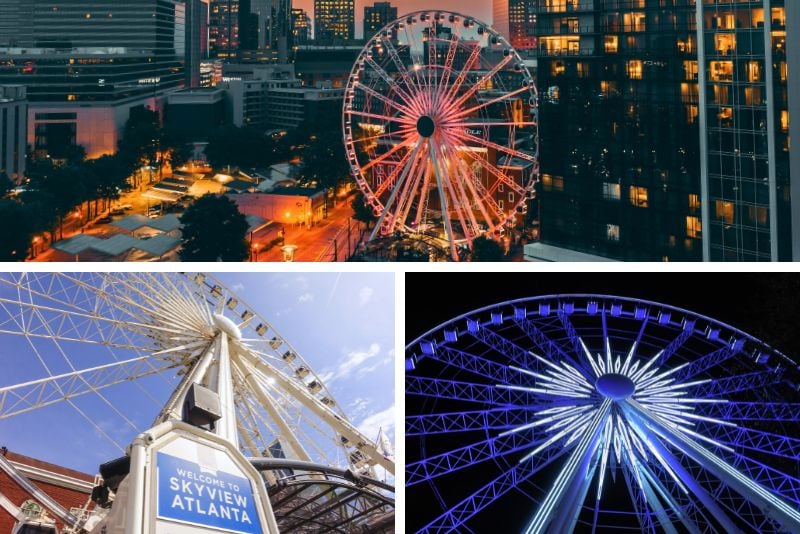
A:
x,y
223,28
13,132
92,50
195,113
744,114
515,20
334,20
377,16
301,27
196,40
316,64
664,129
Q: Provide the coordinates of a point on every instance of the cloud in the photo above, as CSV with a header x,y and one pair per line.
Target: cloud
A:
x,y
306,297
350,362
237,287
370,425
365,295
358,407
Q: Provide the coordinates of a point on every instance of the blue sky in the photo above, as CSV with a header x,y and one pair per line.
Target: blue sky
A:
x,y
341,323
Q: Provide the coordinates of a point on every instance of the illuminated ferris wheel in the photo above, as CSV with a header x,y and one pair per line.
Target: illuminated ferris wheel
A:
x,y
592,413
440,129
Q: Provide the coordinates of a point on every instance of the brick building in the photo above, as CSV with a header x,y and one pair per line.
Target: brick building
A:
x,y
25,480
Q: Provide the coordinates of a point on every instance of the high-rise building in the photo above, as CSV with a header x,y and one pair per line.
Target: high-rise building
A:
x,y
223,28
92,50
515,20
377,16
334,20
196,39
248,26
301,27
793,88
744,115
13,132
664,129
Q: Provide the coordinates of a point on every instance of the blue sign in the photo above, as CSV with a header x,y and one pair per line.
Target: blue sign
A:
x,y
190,493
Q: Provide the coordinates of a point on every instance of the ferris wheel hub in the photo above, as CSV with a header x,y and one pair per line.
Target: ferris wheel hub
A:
x,y
226,325
615,386
425,126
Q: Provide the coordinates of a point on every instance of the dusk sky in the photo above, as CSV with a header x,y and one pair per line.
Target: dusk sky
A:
x,y
480,9
341,323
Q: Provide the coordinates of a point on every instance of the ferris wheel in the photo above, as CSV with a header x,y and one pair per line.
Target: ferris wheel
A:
x,y
593,413
97,341
440,129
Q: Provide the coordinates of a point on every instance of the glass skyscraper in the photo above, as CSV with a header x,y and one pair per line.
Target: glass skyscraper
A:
x,y
334,20
665,128
92,50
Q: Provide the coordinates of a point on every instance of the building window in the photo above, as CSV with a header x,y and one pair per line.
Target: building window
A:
x,y
690,68
638,196
693,228
721,71
552,183
785,121
691,114
758,216
724,211
500,187
583,69
611,191
511,197
694,202
634,69
752,96
725,43
557,67
611,43
753,71
612,232
634,22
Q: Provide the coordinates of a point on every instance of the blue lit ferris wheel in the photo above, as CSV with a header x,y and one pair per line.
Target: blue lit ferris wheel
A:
x,y
593,413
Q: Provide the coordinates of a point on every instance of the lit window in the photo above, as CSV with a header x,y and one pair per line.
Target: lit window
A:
x,y
721,71
785,121
638,196
725,43
694,203
758,215
753,71
511,197
693,227
634,69
634,22
612,232
611,191
690,68
724,211
611,44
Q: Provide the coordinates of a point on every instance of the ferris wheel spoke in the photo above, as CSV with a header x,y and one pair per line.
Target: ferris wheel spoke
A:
x,y
404,95
405,122
399,168
397,188
489,144
468,456
468,392
504,96
733,384
474,55
448,224
479,193
391,135
401,68
640,504
751,411
708,361
457,515
21,398
383,157
753,439
405,110
458,203
468,421
475,87
448,66
461,186
407,200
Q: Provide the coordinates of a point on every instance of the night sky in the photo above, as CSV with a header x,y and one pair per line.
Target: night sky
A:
x,y
480,9
764,305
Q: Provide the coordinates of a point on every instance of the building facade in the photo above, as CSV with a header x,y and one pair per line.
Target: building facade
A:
x,y
92,50
516,20
301,27
13,132
334,20
196,40
377,16
664,129
223,28
744,72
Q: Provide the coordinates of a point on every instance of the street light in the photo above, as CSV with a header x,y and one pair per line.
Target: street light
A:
x,y
254,252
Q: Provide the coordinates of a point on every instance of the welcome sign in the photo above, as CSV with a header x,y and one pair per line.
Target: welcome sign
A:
x,y
190,493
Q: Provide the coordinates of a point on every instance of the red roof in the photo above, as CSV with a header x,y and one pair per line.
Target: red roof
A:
x,y
33,462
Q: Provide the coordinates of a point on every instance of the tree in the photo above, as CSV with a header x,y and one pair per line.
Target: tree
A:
x,y
141,140
16,230
323,160
362,211
108,177
485,249
54,190
241,147
214,230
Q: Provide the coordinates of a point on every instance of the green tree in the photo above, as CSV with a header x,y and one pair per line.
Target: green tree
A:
x,y
323,160
485,249
362,211
241,147
141,141
214,230
108,176
54,190
16,230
